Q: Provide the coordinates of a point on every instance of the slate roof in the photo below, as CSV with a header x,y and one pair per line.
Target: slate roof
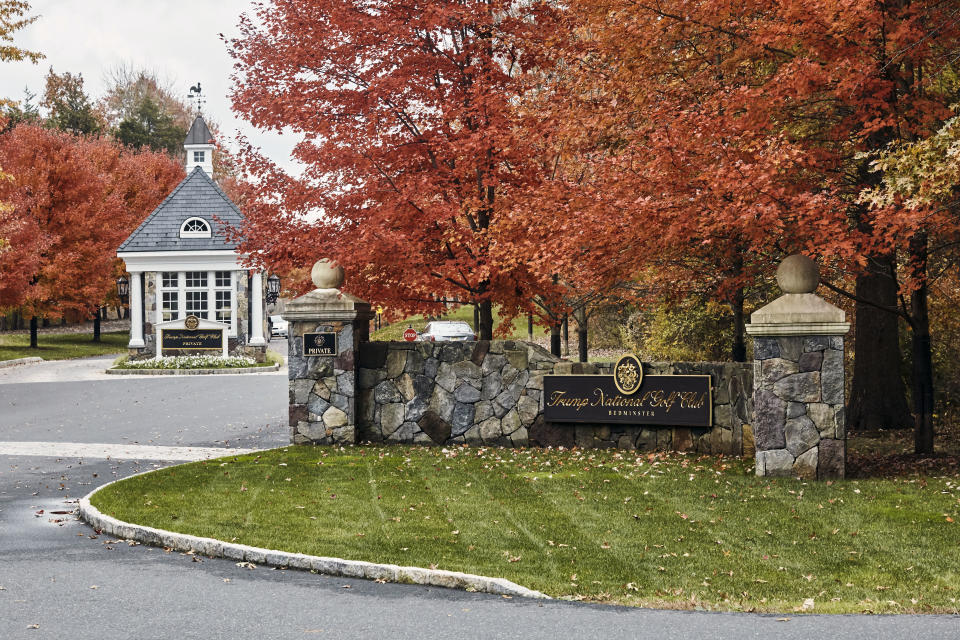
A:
x,y
199,133
196,196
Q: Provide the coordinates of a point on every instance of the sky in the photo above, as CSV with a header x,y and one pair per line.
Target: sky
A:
x,y
177,39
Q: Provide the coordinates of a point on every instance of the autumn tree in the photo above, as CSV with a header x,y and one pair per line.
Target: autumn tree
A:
x,y
13,17
69,108
745,131
73,200
411,152
141,109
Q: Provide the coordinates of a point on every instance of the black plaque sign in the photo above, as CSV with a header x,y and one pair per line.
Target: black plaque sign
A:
x,y
187,340
320,344
681,401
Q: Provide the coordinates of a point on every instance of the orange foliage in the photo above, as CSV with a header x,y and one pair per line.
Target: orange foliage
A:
x,y
73,201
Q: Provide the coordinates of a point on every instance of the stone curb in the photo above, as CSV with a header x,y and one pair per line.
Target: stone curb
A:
x,y
269,557
13,363
189,372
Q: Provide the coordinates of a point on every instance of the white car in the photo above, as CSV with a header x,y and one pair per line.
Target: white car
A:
x,y
278,326
440,330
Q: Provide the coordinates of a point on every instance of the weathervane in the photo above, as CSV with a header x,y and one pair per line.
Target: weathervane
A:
x,y
196,97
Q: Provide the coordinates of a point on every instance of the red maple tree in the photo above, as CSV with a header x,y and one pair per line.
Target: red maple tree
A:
x,y
730,134
72,201
413,158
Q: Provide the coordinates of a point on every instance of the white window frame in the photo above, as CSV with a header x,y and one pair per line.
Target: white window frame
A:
x,y
195,234
161,289
210,289
199,157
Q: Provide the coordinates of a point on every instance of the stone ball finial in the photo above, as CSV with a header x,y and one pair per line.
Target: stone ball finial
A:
x,y
798,274
327,274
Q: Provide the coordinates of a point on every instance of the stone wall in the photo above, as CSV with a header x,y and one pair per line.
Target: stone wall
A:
x,y
489,393
800,422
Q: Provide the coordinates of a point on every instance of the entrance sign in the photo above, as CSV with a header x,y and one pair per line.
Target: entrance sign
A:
x,y
320,344
187,340
409,334
191,336
681,401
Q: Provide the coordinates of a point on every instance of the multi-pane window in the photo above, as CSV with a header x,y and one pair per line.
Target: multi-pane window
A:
x,y
223,306
205,294
197,303
198,156
195,228
169,295
196,279
171,305
223,296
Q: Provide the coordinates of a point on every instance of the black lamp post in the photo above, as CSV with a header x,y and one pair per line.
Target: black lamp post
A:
x,y
273,288
123,290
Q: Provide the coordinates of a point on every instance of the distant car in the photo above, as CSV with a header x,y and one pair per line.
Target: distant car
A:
x,y
440,330
278,326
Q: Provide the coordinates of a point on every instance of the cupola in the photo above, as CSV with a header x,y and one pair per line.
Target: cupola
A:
x,y
199,147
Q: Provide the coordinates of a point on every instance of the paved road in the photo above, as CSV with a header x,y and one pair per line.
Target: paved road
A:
x,y
58,574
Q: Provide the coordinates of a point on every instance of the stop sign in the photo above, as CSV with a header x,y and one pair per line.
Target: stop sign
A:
x,y
409,334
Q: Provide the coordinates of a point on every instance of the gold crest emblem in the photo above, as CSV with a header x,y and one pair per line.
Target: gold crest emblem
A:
x,y
628,374
191,323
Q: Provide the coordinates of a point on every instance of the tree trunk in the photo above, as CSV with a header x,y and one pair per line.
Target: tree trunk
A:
x,y
486,320
530,327
580,315
555,339
566,336
96,326
877,393
476,319
33,332
922,357
739,351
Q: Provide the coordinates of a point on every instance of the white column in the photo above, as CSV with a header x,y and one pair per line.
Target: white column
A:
x,y
256,310
136,312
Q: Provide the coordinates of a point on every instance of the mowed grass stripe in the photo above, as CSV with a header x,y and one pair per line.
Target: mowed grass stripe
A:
x,y
664,530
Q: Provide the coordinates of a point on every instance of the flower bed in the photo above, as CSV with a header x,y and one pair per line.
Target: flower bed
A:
x,y
193,362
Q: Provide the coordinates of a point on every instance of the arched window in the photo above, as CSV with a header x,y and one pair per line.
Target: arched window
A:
x,y
195,228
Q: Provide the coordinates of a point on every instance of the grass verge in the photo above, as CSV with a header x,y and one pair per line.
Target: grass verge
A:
x,y
661,530
62,346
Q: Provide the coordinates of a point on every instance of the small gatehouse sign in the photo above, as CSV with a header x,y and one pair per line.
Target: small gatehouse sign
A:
x,y
195,340
320,344
191,336
629,397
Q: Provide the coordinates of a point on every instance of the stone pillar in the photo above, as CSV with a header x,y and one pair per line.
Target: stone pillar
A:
x,y
799,422
136,312
256,310
322,388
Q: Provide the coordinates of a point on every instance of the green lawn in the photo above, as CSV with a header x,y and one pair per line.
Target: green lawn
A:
x,y
62,346
664,530
465,313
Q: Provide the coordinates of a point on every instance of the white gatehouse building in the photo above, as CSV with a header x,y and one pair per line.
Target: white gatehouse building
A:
x,y
186,273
